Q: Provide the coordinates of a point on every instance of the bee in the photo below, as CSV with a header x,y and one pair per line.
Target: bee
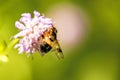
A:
x,y
47,42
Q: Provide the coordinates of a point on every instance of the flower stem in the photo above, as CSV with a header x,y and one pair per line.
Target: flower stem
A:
x,y
12,43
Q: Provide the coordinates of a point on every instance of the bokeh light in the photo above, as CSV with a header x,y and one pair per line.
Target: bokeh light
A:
x,y
3,58
72,23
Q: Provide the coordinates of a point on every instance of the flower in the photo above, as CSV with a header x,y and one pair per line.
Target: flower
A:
x,y
30,30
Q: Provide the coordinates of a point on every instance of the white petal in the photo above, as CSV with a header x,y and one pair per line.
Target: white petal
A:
x,y
20,50
28,51
34,22
36,14
28,15
20,34
19,25
17,45
26,21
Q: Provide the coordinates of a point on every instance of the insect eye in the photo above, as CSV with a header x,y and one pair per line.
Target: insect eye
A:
x,y
45,47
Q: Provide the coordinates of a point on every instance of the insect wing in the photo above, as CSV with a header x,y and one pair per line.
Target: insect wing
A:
x,y
59,52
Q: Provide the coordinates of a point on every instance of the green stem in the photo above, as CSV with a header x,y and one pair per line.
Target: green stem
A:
x,y
11,44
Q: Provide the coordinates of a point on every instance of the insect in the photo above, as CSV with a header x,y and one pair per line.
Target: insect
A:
x,y
47,42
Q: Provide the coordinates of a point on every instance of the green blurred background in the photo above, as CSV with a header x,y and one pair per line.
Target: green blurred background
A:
x,y
97,58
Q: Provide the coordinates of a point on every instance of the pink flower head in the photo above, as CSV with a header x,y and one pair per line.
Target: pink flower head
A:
x,y
30,30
